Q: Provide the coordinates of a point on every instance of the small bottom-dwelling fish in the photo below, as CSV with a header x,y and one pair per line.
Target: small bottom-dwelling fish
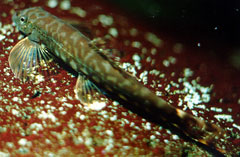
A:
x,y
47,34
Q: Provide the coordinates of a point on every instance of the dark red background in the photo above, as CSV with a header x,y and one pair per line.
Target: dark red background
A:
x,y
211,62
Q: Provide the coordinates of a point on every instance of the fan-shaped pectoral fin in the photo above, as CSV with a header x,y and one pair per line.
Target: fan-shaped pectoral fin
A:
x,y
30,60
89,94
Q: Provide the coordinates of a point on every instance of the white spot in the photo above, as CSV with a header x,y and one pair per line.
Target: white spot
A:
x,y
52,3
36,126
113,118
97,105
220,117
216,109
172,59
187,72
166,141
166,63
15,112
144,77
113,32
65,5
236,126
152,38
22,142
39,78
195,113
136,44
175,137
16,99
199,44
109,132
44,115
153,51
105,20
148,126
136,58
78,11
2,37
82,117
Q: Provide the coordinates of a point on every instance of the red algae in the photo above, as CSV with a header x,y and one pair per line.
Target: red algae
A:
x,y
45,119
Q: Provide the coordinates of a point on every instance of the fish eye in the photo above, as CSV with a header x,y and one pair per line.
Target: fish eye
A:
x,y
22,19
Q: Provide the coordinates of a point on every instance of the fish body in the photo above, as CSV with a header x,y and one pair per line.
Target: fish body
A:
x,y
72,47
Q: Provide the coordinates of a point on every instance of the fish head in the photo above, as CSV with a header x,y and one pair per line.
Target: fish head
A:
x,y
22,22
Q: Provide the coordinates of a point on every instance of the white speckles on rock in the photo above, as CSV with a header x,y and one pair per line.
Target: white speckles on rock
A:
x,y
166,141
225,117
113,118
153,51
152,38
52,3
97,105
22,142
36,127
188,72
105,20
166,63
78,11
15,112
2,37
137,60
175,137
113,32
215,109
170,60
136,57
65,5
47,115
136,44
109,132
236,126
144,77
147,126
82,117
16,99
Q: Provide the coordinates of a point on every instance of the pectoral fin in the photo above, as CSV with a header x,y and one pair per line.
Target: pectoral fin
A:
x,y
89,94
30,61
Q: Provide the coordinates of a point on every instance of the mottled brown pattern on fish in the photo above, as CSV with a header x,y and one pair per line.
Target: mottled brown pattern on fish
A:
x,y
73,48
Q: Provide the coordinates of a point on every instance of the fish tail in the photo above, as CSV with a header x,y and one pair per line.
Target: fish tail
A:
x,y
161,111
195,128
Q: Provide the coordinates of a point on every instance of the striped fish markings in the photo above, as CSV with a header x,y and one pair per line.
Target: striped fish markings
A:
x,y
46,34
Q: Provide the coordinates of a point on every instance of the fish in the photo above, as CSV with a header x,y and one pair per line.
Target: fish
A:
x,y
48,37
